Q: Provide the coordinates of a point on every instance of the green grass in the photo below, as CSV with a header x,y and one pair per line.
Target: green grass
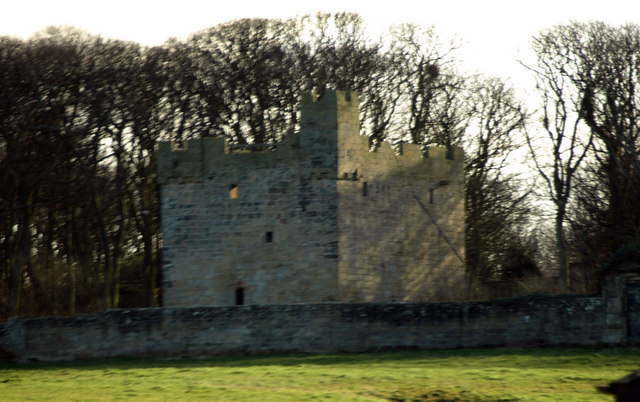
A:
x,y
458,375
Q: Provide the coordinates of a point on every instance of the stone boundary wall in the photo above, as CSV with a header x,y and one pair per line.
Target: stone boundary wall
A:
x,y
326,328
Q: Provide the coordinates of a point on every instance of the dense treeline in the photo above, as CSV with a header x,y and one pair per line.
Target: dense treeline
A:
x,y
80,115
79,203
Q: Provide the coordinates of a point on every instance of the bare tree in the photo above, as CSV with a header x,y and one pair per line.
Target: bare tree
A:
x,y
430,91
497,208
587,75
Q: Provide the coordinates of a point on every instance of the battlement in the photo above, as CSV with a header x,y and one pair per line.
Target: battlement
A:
x,y
198,158
329,126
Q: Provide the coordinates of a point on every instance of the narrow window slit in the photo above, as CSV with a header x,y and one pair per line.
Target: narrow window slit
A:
x,y
269,237
364,189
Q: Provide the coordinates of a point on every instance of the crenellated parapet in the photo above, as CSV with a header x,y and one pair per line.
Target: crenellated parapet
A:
x,y
191,161
415,152
329,136
198,158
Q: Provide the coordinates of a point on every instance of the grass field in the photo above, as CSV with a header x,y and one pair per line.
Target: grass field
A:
x,y
458,375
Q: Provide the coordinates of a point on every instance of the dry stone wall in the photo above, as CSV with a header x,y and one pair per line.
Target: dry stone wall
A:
x,y
306,328
195,332
631,303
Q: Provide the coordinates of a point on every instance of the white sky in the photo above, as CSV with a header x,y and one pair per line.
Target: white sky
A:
x,y
494,33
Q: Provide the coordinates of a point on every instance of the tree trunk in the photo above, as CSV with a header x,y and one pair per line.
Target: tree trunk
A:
x,y
561,246
21,251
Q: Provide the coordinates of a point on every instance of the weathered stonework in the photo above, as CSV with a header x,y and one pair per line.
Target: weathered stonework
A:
x,y
196,332
611,319
320,218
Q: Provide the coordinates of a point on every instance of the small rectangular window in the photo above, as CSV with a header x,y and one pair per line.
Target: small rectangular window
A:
x,y
269,237
450,154
364,189
239,296
233,191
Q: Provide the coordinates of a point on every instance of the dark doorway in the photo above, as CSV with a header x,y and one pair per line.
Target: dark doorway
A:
x,y
239,296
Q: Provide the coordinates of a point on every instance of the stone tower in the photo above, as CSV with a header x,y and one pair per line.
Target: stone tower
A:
x,y
320,218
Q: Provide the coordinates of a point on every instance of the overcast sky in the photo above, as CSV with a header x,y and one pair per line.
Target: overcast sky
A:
x,y
493,33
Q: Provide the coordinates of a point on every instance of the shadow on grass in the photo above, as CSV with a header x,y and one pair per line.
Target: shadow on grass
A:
x,y
525,358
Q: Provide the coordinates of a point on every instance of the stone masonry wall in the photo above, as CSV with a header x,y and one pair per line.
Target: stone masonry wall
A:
x,y
305,328
275,238
400,219
320,218
609,319
632,305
